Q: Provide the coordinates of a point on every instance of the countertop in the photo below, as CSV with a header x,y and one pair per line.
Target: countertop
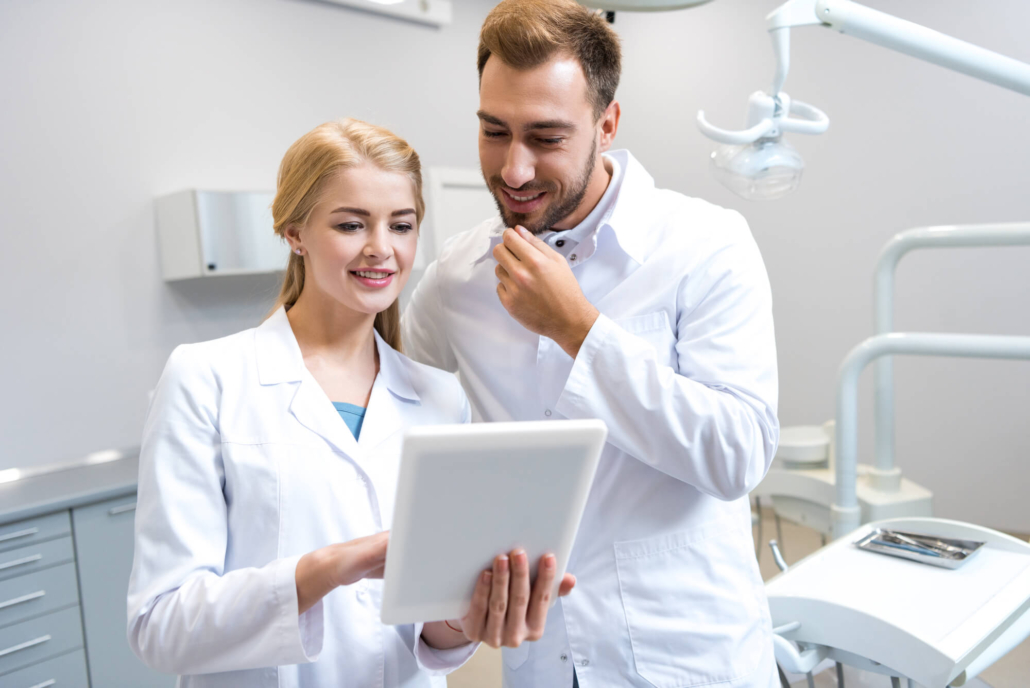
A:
x,y
67,488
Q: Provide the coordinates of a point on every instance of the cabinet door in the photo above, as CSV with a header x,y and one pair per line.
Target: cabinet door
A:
x,y
103,544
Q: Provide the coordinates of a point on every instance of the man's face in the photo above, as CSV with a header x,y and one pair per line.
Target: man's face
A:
x,y
538,141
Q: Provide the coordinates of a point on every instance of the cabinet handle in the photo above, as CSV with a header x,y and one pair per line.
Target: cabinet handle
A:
x,y
24,598
20,534
24,646
45,684
20,562
121,509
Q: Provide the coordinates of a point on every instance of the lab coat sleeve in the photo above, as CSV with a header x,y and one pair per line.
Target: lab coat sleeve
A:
x,y
186,614
439,662
422,325
710,418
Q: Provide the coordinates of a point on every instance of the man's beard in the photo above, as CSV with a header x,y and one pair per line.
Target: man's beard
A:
x,y
560,209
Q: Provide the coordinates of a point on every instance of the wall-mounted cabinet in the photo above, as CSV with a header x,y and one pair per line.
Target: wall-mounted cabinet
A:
x,y
432,12
206,233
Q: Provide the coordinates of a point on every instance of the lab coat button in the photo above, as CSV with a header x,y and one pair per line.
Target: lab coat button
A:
x,y
564,658
572,257
547,412
585,662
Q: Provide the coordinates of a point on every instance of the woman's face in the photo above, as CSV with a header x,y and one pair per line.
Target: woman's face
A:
x,y
359,242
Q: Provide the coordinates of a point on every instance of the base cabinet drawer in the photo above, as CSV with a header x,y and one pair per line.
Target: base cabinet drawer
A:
x,y
66,671
37,593
34,530
35,557
32,641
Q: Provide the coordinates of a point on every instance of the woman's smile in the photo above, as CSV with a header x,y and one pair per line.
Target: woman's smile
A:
x,y
376,279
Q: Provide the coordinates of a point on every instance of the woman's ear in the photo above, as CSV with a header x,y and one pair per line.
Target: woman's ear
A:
x,y
292,235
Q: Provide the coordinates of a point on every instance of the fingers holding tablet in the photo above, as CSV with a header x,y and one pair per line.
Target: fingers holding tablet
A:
x,y
498,607
518,598
506,609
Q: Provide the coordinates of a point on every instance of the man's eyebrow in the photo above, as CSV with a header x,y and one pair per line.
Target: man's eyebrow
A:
x,y
490,119
532,126
356,211
549,124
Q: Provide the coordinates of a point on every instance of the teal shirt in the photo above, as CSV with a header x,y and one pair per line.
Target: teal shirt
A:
x,y
352,415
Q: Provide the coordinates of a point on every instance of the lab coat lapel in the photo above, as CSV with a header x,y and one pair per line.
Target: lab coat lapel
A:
x,y
279,361
383,417
315,411
391,394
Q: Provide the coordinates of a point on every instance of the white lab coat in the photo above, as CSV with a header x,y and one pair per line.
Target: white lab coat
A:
x,y
681,365
246,466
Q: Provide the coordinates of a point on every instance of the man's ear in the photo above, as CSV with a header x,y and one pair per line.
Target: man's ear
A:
x,y
610,124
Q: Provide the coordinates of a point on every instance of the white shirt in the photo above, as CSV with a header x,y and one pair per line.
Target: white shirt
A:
x,y
681,365
245,466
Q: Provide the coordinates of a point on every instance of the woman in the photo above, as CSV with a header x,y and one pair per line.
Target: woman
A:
x,y
269,458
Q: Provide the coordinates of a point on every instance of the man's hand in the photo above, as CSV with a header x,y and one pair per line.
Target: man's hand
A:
x,y
505,611
538,289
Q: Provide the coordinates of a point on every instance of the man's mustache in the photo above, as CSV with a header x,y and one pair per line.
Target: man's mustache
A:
x,y
498,183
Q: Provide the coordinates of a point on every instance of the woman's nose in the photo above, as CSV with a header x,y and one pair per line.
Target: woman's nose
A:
x,y
378,244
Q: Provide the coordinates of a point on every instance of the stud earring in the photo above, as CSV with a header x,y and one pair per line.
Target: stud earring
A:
x,y
297,251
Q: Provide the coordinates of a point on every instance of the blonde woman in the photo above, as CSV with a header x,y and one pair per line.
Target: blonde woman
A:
x,y
269,458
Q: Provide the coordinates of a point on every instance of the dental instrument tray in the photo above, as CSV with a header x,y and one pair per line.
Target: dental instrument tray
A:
x,y
945,552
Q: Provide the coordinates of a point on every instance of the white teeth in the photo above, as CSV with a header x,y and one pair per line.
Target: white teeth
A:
x,y
523,199
371,275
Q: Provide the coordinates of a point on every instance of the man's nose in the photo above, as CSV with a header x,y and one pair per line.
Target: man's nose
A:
x,y
519,167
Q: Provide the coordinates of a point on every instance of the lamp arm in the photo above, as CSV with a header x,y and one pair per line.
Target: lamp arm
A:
x,y
896,34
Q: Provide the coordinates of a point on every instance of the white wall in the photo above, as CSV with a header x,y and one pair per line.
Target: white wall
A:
x,y
110,103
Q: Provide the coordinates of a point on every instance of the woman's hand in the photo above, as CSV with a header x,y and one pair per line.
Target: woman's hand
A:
x,y
325,569
505,611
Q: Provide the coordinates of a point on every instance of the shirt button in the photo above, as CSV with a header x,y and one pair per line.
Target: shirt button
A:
x,y
564,658
572,257
547,413
559,243
585,662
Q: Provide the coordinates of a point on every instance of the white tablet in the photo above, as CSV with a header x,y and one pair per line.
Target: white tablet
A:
x,y
467,493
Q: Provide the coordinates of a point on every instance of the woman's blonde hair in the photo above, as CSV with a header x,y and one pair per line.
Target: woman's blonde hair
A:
x,y
314,158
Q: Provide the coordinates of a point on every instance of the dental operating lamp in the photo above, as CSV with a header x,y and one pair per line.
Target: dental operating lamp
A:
x,y
757,163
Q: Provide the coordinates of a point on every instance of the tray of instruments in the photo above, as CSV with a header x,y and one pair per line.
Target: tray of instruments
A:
x,y
948,553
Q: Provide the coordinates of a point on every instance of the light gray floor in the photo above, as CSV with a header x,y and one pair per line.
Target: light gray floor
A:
x,y
1011,671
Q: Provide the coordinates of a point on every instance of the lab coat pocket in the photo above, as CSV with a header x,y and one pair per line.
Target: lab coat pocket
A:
x,y
653,328
691,607
514,657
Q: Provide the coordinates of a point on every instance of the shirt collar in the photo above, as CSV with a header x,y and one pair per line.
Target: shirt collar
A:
x,y
601,212
624,216
279,358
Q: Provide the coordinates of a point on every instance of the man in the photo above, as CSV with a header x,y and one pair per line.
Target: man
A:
x,y
596,295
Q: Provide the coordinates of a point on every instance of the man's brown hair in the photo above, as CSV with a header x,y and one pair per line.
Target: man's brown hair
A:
x,y
527,33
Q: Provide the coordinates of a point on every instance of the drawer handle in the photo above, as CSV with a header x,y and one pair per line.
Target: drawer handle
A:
x,y
121,509
20,562
45,684
24,598
20,534
24,646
